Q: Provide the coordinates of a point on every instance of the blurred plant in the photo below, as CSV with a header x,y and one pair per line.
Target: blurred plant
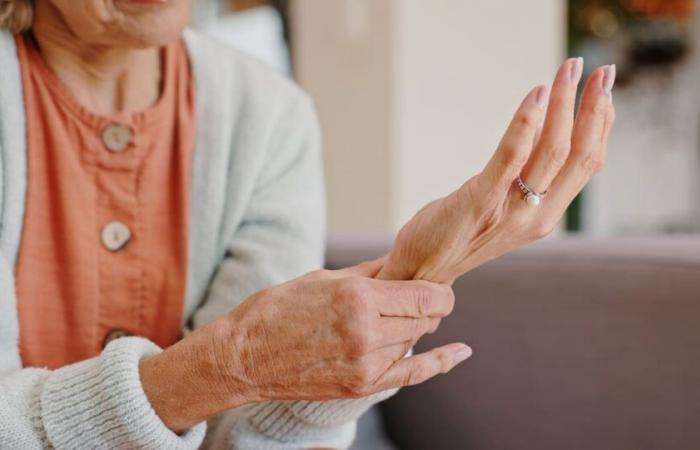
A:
x,y
681,10
633,33
637,35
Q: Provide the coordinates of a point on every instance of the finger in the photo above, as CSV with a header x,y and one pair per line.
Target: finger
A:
x,y
552,150
394,330
538,136
414,298
420,368
367,269
609,123
593,124
516,145
385,357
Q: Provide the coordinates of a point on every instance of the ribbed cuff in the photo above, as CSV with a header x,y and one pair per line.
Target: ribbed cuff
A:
x,y
244,436
100,403
294,419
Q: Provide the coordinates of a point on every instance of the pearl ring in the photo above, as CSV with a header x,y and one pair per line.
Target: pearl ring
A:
x,y
531,197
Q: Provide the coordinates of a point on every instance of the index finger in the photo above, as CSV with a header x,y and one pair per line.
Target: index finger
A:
x,y
414,299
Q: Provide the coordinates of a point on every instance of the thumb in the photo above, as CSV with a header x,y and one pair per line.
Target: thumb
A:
x,y
368,269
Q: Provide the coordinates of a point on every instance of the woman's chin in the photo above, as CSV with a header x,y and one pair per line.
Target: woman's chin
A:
x,y
152,28
137,43
146,2
145,5
149,23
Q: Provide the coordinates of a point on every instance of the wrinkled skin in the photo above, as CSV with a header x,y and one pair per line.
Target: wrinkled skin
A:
x,y
121,23
342,334
488,216
339,334
334,335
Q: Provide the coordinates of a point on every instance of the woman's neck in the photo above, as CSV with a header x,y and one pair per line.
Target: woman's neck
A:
x,y
104,79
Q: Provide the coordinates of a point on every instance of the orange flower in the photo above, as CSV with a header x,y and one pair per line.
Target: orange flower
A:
x,y
678,9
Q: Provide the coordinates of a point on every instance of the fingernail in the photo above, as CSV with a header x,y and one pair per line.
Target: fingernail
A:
x,y
576,70
609,78
462,354
541,96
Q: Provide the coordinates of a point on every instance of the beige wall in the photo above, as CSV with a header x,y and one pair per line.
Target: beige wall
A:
x,y
413,95
342,57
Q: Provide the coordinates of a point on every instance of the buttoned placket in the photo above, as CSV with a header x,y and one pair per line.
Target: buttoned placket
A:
x,y
116,138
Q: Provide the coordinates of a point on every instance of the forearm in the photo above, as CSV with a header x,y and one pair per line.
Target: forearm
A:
x,y
185,386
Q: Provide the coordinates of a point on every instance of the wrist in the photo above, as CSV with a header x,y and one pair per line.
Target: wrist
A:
x,y
184,383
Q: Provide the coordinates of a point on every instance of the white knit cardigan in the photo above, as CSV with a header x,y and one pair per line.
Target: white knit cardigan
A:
x,y
256,219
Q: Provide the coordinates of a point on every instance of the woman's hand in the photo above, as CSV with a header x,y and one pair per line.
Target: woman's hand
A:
x,y
488,216
337,334
326,335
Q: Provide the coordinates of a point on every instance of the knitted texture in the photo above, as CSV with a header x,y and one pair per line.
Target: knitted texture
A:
x,y
256,220
100,403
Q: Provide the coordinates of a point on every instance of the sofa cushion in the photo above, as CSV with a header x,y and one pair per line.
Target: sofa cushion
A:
x,y
578,344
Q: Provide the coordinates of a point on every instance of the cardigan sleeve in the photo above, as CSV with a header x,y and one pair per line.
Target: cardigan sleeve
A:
x,y
281,237
97,403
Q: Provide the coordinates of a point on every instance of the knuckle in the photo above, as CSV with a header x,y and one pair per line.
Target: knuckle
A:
x,y
433,299
417,375
558,152
600,109
353,293
343,291
528,119
357,342
542,229
347,289
596,108
518,222
593,163
359,384
445,360
516,155
450,299
423,300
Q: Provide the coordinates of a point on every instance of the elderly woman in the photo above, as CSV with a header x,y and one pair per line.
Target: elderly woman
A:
x,y
153,181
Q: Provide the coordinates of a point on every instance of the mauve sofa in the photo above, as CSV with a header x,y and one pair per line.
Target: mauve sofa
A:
x,y
579,345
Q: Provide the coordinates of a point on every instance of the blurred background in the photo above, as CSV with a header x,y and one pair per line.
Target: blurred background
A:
x,y
413,96
579,343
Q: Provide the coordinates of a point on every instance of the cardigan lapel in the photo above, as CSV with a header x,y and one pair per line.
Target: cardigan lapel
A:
x,y
213,79
13,151
215,99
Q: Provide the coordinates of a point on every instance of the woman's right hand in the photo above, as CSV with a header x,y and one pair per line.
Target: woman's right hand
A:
x,y
326,335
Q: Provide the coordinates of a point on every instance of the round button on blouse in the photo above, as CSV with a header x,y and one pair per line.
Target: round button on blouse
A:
x,y
116,137
115,235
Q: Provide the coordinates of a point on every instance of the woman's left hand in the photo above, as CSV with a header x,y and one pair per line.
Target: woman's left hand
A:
x,y
489,215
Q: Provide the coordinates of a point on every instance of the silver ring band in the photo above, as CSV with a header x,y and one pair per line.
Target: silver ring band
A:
x,y
532,197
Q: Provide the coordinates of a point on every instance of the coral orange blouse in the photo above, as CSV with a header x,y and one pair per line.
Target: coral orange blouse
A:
x,y
104,243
